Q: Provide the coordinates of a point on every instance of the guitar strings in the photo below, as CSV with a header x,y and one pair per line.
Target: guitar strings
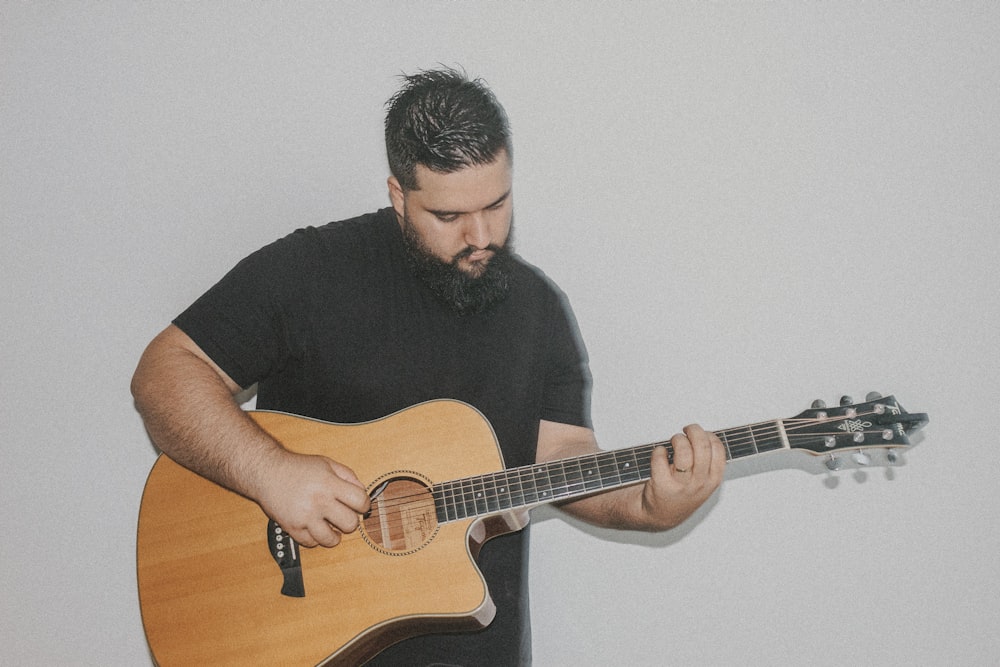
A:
x,y
466,499
606,463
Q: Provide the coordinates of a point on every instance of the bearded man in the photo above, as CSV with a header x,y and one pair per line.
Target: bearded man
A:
x,y
359,319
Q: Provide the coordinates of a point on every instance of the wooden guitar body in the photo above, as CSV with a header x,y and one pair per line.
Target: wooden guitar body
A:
x,y
210,587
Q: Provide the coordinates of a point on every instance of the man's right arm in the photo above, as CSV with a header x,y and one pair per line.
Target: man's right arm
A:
x,y
187,404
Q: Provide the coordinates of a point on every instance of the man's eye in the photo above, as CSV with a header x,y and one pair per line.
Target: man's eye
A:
x,y
451,217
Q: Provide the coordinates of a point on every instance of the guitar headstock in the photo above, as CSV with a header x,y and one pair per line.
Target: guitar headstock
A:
x,y
880,422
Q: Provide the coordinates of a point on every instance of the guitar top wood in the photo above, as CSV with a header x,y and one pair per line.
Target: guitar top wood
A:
x,y
210,589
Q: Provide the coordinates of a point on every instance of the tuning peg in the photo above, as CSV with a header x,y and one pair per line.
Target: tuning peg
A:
x,y
846,400
861,458
891,456
873,396
819,404
833,463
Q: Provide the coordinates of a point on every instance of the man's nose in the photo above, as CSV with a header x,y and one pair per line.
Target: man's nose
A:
x,y
477,231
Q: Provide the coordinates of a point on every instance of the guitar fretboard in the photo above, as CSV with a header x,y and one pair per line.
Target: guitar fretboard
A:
x,y
541,483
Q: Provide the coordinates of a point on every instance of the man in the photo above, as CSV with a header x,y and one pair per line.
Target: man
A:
x,y
361,318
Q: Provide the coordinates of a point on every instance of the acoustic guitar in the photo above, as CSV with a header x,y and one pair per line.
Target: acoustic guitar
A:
x,y
221,584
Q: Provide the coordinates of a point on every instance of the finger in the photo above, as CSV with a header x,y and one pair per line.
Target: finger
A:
x,y
345,473
719,457
354,500
301,534
701,447
342,518
324,534
352,493
303,538
683,453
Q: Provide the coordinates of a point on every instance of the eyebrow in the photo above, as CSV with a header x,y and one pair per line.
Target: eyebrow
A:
x,y
496,202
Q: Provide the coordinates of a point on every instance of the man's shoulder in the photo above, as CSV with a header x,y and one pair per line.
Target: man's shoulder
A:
x,y
534,280
360,229
358,237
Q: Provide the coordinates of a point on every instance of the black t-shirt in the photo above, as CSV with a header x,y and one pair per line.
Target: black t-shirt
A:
x,y
331,324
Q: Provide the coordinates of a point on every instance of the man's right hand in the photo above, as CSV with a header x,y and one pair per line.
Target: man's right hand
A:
x,y
315,499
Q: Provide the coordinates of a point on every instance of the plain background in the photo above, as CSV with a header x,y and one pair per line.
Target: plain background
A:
x,y
750,205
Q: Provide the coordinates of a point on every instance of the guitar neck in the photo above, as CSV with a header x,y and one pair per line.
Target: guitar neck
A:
x,y
565,479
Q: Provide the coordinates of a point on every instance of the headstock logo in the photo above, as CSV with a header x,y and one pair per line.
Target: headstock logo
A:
x,y
853,425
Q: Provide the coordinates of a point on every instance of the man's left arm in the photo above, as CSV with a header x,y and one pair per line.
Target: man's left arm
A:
x,y
672,493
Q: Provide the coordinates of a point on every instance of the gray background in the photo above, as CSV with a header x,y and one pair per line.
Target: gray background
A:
x,y
750,205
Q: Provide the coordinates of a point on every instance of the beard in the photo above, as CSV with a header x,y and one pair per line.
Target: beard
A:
x,y
466,293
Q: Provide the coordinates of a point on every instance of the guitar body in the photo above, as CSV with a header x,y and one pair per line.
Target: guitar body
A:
x,y
210,587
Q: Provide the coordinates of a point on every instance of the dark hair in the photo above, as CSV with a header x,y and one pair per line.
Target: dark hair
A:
x,y
444,121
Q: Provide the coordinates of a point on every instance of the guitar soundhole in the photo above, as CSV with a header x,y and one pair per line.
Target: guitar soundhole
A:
x,y
402,517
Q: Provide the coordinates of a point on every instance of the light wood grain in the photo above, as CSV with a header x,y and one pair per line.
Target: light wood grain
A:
x,y
210,591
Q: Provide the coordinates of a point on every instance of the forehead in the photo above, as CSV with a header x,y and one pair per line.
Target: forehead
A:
x,y
468,189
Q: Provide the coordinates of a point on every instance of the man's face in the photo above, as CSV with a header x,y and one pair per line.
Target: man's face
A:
x,y
461,217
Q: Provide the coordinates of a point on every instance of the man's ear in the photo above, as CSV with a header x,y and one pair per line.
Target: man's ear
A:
x,y
396,195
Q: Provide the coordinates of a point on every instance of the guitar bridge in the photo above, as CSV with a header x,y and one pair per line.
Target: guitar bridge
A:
x,y
285,552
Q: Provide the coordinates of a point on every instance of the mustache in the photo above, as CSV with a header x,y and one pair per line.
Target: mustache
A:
x,y
496,249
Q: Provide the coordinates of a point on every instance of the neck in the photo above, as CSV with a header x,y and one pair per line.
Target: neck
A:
x,y
564,479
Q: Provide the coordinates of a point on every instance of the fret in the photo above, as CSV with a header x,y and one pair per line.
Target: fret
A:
x,y
455,501
609,470
504,499
643,456
771,442
740,445
440,505
724,436
543,484
468,498
447,494
528,486
490,489
458,499
627,465
574,476
516,488
478,501
557,479
591,472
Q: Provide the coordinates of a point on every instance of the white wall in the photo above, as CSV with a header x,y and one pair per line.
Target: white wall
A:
x,y
751,205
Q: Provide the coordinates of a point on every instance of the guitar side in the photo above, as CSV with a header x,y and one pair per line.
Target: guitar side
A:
x,y
210,590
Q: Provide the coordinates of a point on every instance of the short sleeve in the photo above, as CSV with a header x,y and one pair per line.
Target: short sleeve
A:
x,y
241,322
566,393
